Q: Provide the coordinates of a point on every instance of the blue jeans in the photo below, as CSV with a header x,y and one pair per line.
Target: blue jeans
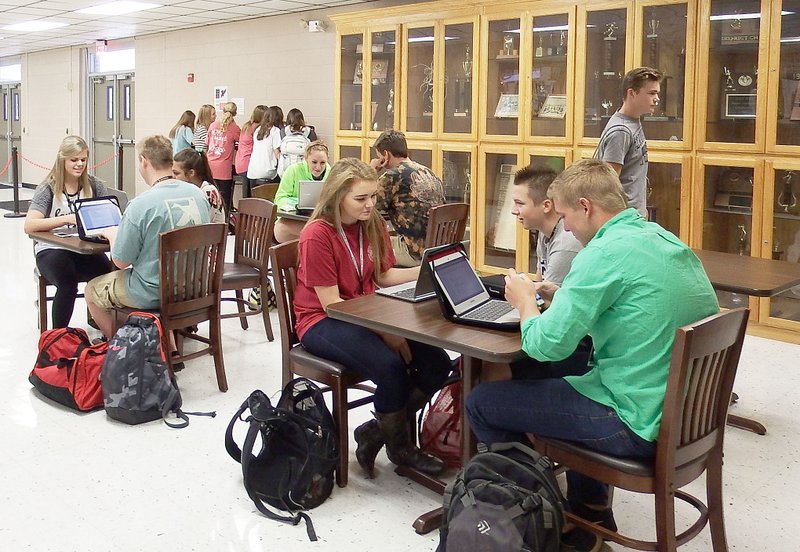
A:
x,y
365,352
505,410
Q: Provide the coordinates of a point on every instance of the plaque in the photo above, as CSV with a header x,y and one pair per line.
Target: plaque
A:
x,y
608,49
379,69
507,106
554,107
739,31
739,95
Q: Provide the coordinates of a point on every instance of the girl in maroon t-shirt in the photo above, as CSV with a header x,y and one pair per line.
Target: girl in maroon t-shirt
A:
x,y
345,252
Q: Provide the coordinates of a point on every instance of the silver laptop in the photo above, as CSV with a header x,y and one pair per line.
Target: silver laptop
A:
x,y
308,192
467,298
416,290
94,215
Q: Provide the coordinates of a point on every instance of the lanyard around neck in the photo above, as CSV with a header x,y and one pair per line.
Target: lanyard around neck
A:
x,y
360,265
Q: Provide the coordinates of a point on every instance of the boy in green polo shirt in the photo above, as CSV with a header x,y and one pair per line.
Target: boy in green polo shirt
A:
x,y
630,288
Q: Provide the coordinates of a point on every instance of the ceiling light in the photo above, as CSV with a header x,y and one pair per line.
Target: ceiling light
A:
x,y
34,26
121,7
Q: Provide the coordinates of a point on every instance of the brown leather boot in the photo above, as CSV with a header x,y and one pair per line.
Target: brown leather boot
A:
x,y
370,442
394,429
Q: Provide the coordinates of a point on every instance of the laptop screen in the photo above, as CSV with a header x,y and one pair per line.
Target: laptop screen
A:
x,y
97,215
459,281
308,192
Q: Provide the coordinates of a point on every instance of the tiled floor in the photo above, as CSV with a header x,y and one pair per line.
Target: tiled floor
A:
x,y
79,482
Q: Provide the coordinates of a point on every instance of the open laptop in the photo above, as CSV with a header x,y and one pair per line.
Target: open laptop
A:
x,y
463,296
308,192
416,290
96,214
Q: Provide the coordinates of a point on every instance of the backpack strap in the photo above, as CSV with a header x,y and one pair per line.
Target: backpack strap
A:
x,y
246,455
607,132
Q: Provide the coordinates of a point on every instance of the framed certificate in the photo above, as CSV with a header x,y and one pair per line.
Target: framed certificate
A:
x,y
554,107
507,106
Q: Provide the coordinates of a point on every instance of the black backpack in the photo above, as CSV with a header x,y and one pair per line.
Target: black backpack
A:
x,y
505,499
137,384
293,469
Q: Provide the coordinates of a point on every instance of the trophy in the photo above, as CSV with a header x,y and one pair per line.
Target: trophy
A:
x,y
729,86
508,45
551,47
609,39
466,91
787,199
652,43
607,104
741,247
459,97
539,52
390,104
561,49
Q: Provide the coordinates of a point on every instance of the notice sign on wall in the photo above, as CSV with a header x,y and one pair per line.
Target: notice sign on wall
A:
x,y
220,96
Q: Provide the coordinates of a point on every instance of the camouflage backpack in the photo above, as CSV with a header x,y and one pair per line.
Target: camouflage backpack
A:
x,y
136,380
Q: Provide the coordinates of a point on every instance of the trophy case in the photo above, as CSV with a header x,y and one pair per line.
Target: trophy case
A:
x,y
501,93
782,233
551,73
605,43
458,165
731,45
666,193
351,78
382,86
419,94
783,127
664,32
460,49
350,147
497,247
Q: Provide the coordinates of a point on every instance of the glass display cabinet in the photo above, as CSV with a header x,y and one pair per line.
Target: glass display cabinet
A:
x,y
501,93
663,35
731,34
498,249
349,148
784,110
666,193
460,42
351,77
420,85
422,153
604,59
382,91
458,165
551,76
729,197
782,225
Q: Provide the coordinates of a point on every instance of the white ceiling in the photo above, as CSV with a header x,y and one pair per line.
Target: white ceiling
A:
x,y
174,14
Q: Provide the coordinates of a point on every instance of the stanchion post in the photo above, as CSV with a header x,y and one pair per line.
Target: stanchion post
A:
x,y
118,182
15,183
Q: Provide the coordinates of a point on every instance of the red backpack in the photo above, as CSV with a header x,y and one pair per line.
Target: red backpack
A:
x,y
67,369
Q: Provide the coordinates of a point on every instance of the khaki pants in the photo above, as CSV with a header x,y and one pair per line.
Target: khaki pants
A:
x,y
401,253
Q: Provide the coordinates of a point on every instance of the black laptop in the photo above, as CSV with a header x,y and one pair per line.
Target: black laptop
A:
x,y
96,214
462,295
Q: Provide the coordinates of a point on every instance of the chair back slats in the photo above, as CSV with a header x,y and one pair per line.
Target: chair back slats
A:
x,y
284,259
705,357
191,260
446,224
254,229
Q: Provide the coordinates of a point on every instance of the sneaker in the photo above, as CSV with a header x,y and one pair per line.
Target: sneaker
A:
x,y
580,540
272,301
604,518
254,299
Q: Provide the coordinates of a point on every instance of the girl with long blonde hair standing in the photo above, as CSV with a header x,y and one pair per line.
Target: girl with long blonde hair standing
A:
x,y
205,117
221,141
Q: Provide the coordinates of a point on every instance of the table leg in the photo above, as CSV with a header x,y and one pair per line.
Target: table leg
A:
x,y
470,373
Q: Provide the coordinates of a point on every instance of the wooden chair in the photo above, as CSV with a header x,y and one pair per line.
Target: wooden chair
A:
x,y
250,266
265,191
299,362
190,261
704,361
446,224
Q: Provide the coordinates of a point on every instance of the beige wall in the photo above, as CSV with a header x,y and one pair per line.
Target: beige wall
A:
x,y
272,60
50,106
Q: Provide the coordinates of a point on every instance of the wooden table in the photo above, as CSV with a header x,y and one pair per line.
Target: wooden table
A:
x,y
424,322
71,243
748,276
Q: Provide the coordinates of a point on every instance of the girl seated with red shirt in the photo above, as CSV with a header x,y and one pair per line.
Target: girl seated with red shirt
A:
x,y
345,252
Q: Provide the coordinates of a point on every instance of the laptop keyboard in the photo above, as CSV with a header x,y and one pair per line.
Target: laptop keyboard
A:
x,y
407,293
490,311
